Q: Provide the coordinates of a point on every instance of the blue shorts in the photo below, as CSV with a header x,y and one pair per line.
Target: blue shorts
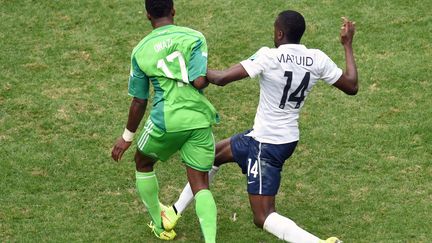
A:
x,y
261,162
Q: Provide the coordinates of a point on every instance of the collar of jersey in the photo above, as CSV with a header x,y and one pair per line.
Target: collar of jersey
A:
x,y
292,45
163,27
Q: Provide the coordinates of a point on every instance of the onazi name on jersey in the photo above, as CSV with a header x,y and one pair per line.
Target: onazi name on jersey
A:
x,y
163,45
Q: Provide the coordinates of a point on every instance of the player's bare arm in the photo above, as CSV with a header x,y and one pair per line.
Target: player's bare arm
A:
x,y
136,113
348,82
221,78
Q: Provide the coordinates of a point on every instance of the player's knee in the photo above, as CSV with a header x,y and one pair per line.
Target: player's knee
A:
x,y
143,163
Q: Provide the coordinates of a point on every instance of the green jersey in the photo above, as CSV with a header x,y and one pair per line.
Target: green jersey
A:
x,y
171,57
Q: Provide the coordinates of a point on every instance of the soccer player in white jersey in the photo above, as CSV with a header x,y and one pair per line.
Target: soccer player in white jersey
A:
x,y
286,74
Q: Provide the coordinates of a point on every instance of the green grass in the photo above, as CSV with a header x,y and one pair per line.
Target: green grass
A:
x,y
362,170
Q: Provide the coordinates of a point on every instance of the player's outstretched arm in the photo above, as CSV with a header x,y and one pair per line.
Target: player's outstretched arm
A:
x,y
136,113
348,82
229,75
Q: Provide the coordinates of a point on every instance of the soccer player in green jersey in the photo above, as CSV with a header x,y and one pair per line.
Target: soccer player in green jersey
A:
x,y
174,60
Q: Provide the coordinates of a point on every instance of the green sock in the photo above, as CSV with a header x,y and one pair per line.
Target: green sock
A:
x,y
205,208
148,190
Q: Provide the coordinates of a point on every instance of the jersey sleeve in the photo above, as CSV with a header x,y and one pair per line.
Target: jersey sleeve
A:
x,y
329,71
138,81
257,63
198,61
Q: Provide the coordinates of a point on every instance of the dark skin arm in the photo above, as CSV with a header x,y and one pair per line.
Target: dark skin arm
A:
x,y
222,78
348,82
136,113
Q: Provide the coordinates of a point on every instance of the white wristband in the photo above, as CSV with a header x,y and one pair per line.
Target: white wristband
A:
x,y
128,135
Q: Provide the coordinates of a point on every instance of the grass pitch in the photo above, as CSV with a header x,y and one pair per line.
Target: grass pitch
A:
x,y
362,170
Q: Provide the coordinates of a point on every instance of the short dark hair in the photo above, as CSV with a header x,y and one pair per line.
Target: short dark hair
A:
x,y
292,24
159,8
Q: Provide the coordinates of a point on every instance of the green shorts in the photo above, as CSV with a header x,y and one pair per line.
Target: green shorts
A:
x,y
197,146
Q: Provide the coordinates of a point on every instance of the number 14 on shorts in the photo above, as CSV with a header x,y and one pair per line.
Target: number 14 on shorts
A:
x,y
252,168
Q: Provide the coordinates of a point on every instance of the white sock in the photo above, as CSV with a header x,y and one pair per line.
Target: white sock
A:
x,y
285,229
186,197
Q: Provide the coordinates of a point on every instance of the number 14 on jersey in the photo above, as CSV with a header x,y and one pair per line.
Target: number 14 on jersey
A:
x,y
294,95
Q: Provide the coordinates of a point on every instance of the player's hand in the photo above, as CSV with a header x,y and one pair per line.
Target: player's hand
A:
x,y
347,31
119,148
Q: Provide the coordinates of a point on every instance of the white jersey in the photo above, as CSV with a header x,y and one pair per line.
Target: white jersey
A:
x,y
287,75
